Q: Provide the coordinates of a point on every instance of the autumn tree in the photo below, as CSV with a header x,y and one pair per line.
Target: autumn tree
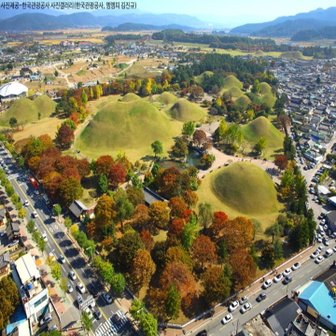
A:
x,y
104,211
216,283
103,165
135,195
117,174
141,218
178,254
199,138
281,161
178,274
147,239
177,207
218,223
142,269
9,300
64,137
203,250
159,214
69,190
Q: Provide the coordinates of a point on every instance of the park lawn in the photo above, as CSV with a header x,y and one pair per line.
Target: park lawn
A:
x,y
146,68
45,126
241,189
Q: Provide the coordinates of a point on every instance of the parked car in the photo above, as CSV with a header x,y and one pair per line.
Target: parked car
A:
x,y
261,297
89,313
267,284
278,278
328,253
26,203
70,289
247,306
233,306
80,287
72,275
79,299
286,272
227,318
34,214
98,315
319,259
287,280
107,298
202,333
46,319
296,266
243,300
61,259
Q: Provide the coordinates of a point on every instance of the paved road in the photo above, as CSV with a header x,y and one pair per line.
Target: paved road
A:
x,y
308,270
58,242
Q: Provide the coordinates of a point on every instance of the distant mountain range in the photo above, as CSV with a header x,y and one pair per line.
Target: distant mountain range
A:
x,y
290,26
42,21
131,27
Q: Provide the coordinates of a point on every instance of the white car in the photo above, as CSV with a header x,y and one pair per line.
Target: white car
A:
x,y
70,289
247,306
26,203
72,275
107,298
267,284
44,236
314,254
81,287
334,248
296,266
227,318
243,300
319,259
233,306
89,313
34,214
278,278
286,272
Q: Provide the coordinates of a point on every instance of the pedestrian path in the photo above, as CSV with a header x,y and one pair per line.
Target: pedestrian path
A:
x,y
113,326
106,329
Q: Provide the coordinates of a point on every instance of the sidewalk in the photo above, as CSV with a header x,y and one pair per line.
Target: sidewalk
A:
x,y
197,325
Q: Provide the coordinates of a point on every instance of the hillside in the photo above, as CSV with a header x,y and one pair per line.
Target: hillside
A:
x,y
290,25
184,110
26,110
245,188
232,86
167,98
266,95
127,126
262,127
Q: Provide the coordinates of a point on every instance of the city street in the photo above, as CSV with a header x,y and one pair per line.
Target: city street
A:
x,y
59,243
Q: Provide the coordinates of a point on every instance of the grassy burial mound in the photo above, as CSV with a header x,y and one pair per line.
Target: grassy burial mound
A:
x,y
130,127
232,87
262,127
183,110
297,55
26,110
199,79
266,95
166,98
245,188
130,97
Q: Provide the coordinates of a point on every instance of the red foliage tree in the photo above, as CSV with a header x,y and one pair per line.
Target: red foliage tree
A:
x,y
199,138
204,250
147,239
218,223
177,207
117,174
65,136
281,161
104,164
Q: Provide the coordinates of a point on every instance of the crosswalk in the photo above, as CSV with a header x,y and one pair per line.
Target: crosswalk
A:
x,y
113,326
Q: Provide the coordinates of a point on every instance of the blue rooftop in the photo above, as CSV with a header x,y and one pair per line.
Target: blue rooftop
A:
x,y
319,297
17,318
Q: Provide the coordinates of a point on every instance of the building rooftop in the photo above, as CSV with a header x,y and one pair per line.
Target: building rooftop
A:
x,y
319,296
12,89
26,269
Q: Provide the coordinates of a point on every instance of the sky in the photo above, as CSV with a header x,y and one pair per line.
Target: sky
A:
x,y
233,12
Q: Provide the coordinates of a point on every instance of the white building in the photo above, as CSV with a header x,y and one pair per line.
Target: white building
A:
x,y
13,90
34,295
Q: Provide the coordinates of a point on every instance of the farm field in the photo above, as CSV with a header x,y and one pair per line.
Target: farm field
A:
x,y
242,189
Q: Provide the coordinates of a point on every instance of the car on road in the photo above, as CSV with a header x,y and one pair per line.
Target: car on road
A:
x,y
44,236
52,256
243,300
70,289
233,306
247,306
227,318
328,253
72,275
287,280
326,242
278,278
80,287
267,283
334,248
79,299
34,214
107,298
286,272
261,297
89,313
202,333
296,266
319,259
26,203
46,319
320,248
61,259
97,314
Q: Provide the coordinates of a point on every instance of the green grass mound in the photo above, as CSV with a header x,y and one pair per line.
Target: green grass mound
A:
x,y
262,127
199,79
264,88
242,101
297,55
259,53
184,110
126,125
266,95
26,110
167,98
232,82
246,188
130,97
